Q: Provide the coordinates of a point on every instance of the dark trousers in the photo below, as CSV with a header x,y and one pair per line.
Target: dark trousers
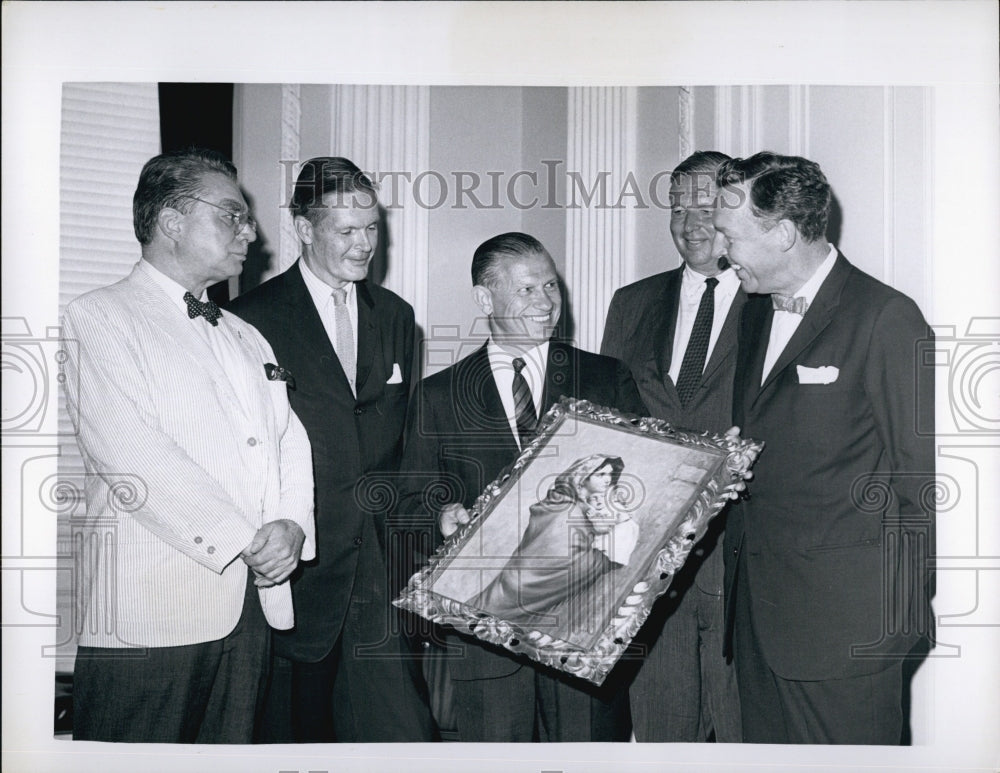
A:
x,y
197,693
368,689
860,710
685,691
532,705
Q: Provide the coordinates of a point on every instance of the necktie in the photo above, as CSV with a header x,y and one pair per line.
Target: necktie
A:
x,y
694,356
208,309
344,345
524,406
797,305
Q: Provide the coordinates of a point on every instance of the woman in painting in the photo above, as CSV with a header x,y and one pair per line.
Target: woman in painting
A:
x,y
576,537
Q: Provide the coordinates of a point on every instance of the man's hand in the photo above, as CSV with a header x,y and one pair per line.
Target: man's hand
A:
x,y
735,490
452,516
274,552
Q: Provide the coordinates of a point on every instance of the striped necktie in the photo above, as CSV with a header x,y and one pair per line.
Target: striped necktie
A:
x,y
524,405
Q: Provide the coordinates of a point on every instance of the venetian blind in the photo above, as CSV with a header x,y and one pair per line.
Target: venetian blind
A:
x,y
109,130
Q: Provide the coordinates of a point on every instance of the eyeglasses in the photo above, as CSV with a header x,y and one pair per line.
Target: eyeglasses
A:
x,y
236,219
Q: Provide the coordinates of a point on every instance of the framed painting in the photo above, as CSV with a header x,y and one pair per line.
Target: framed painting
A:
x,y
566,552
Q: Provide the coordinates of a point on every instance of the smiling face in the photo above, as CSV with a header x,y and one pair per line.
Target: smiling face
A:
x,y
209,249
754,250
692,203
339,247
523,301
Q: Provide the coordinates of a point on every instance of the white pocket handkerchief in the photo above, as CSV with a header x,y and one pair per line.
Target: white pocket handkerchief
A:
x,y
397,375
826,374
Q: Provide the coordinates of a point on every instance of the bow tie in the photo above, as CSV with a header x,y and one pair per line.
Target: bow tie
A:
x,y
797,305
209,310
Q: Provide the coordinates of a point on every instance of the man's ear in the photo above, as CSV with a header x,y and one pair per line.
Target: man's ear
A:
x,y
170,222
483,299
787,234
304,229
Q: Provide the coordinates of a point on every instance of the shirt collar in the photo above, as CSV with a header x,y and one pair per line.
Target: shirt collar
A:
x,y
173,290
691,279
320,291
536,357
812,285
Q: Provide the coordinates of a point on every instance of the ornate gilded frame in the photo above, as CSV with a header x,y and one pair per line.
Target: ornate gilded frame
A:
x,y
679,483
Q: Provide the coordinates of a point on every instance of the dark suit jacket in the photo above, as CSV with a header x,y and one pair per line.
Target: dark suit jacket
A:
x,y
639,331
839,521
458,441
351,438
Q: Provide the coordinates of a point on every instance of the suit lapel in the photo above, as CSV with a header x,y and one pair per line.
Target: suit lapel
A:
x,y
561,377
727,337
369,338
167,317
487,413
306,327
665,326
754,330
816,319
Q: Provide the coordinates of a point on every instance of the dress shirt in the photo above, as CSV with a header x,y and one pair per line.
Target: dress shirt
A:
x,y
322,295
220,338
785,323
502,365
692,287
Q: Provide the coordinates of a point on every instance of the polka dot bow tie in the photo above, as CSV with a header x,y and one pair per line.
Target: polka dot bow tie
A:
x,y
208,309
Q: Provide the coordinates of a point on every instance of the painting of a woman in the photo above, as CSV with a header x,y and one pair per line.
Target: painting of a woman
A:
x,y
576,537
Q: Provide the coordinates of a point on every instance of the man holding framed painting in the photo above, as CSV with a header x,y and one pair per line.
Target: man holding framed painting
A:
x,y
469,422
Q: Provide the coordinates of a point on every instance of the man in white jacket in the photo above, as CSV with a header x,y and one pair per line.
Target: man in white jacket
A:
x,y
199,481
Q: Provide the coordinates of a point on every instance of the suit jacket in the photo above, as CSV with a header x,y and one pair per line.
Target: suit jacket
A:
x,y
355,440
459,440
642,319
839,523
180,473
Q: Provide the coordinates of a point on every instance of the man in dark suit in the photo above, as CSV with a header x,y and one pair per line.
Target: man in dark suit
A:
x,y
677,332
466,424
826,562
341,674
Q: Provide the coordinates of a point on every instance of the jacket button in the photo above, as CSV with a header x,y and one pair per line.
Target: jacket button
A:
x,y
358,541
358,411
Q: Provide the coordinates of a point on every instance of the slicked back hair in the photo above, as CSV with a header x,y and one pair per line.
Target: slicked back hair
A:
x,y
700,162
493,252
167,180
782,188
328,174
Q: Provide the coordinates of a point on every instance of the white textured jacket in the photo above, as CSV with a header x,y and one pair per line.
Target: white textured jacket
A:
x,y
180,473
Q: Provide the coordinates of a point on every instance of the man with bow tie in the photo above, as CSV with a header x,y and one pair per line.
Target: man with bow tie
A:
x,y
199,479
827,579
343,674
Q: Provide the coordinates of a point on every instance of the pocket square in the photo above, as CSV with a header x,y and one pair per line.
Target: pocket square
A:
x,y
825,374
397,375
277,373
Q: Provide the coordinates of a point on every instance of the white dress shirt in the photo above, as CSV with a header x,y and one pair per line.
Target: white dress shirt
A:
x,y
322,295
785,323
692,288
502,365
